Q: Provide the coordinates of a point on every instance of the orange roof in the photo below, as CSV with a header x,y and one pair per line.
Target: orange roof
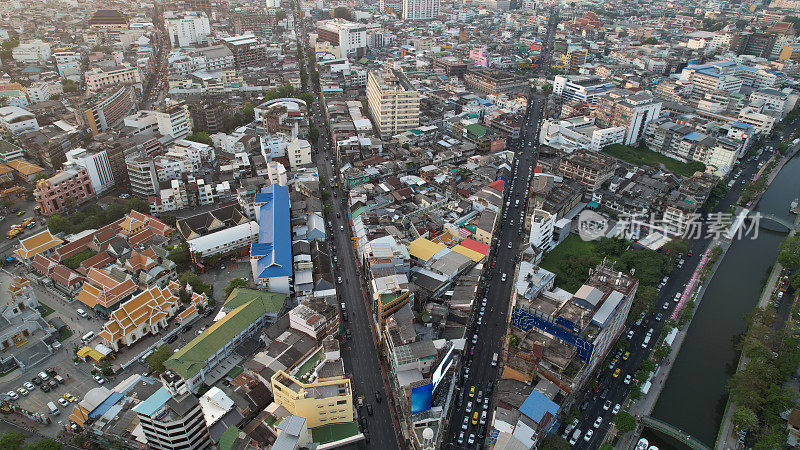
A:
x,y
38,243
146,308
24,167
102,288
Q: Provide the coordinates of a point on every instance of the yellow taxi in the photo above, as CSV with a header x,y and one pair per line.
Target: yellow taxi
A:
x,y
626,355
616,373
472,391
475,418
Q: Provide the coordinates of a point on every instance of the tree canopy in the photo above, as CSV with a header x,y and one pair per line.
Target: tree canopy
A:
x,y
157,358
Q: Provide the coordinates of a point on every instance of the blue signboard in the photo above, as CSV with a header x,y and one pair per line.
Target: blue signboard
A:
x,y
525,320
421,397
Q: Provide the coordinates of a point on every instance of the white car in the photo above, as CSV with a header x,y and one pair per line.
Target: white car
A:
x,y
461,438
63,402
616,409
12,395
99,379
575,437
503,278
598,422
29,386
82,313
510,243
630,334
588,436
471,439
465,425
666,305
627,379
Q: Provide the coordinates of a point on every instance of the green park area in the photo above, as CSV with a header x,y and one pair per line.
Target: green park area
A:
x,y
644,156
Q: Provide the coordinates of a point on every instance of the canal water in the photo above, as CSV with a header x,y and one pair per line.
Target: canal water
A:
x,y
694,395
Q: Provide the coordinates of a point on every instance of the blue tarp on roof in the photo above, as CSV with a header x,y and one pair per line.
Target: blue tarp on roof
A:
x,y
536,405
102,408
274,235
153,403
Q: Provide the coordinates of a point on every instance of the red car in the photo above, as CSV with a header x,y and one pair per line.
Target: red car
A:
x,y
472,350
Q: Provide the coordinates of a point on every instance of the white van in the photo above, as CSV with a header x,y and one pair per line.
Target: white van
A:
x,y
494,360
53,408
88,336
646,341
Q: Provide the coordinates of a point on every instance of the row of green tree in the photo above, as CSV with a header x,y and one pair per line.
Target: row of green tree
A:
x,y
94,216
12,440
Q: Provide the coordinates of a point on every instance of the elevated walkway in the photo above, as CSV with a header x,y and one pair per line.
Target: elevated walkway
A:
x,y
673,432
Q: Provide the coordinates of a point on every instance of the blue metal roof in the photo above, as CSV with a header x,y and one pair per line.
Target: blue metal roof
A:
x,y
274,236
102,408
153,403
536,405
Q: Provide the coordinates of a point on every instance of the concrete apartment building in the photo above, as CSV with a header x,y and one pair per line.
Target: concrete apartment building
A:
x,y
173,421
143,176
66,189
321,402
624,108
247,51
98,78
188,28
495,82
590,169
107,109
393,102
420,9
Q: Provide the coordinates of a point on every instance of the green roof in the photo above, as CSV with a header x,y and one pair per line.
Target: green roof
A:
x,y
247,306
389,298
228,438
476,129
240,296
415,131
334,432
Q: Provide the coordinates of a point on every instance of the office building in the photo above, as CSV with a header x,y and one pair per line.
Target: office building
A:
x,y
107,109
187,29
420,9
393,102
96,165
349,37
580,89
173,421
65,190
320,402
624,108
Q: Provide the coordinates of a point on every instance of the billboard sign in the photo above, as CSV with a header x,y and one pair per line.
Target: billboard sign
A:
x,y
443,367
421,397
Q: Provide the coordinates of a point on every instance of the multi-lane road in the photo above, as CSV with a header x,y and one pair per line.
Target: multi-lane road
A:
x,y
590,402
359,351
486,339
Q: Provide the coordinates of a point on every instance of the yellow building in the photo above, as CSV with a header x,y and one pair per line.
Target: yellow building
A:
x,y
321,402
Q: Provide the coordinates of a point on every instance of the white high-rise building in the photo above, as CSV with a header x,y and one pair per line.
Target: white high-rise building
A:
x,y
187,29
96,165
420,9
393,102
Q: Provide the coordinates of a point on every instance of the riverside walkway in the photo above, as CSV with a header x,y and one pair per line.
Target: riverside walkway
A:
x,y
673,432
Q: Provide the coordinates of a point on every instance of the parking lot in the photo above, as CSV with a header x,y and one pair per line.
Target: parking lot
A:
x,y
77,381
